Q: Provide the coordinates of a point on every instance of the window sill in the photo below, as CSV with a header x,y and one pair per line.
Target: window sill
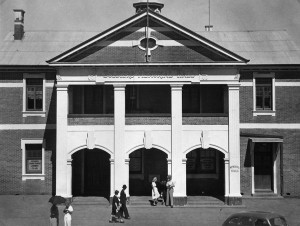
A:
x,y
34,113
264,112
33,177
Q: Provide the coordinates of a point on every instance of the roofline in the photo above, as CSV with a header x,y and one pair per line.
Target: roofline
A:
x,y
198,36
146,64
97,37
155,16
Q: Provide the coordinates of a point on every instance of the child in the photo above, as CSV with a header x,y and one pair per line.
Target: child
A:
x,y
115,209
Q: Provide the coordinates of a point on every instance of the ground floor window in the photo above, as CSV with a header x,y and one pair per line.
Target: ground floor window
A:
x,y
201,161
33,159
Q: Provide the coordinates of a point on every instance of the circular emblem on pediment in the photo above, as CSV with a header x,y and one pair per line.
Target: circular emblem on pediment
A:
x,y
152,43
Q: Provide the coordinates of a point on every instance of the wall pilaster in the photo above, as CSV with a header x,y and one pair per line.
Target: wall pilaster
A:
x,y
120,172
178,167
62,182
234,145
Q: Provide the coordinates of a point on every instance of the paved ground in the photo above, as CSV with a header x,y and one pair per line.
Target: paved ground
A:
x,y
34,211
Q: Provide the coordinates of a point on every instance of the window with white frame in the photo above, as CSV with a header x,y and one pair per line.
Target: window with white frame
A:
x,y
34,95
264,94
33,159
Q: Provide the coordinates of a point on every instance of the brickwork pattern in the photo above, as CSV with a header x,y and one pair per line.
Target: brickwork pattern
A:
x,y
287,106
290,163
11,106
11,163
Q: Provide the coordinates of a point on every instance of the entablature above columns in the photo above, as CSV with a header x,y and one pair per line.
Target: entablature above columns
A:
x,y
147,75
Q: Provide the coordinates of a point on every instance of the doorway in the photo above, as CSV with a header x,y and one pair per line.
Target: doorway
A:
x,y
91,173
263,166
143,166
205,173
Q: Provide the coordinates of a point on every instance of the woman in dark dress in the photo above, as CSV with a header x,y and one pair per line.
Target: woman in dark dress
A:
x,y
115,208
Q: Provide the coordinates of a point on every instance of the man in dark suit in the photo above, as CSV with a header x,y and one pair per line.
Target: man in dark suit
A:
x,y
123,200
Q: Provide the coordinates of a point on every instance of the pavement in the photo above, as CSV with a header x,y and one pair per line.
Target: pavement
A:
x,y
19,210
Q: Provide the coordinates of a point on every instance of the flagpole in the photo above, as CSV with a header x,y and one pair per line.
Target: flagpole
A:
x,y
147,31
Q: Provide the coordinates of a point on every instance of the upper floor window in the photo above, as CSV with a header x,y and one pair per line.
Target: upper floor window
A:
x,y
34,95
264,94
33,164
91,99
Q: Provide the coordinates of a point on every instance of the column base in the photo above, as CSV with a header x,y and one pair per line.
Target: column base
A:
x,y
233,201
180,201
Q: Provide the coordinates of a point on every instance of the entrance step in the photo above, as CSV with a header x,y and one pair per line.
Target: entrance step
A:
x,y
140,201
204,201
90,200
262,193
192,201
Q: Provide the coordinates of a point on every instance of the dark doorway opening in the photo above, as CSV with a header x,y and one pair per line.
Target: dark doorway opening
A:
x,y
91,173
143,166
263,166
205,173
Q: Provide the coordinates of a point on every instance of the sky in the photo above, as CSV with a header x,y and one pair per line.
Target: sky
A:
x,y
99,15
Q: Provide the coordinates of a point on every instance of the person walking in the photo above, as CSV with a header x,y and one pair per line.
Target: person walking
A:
x,y
68,211
155,193
115,209
123,200
54,215
170,190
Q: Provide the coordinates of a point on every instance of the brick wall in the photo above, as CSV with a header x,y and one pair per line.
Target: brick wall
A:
x,y
11,163
11,106
290,163
287,102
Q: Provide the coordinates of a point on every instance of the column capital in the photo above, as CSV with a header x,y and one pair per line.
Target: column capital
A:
x,y
176,86
235,86
112,161
69,161
119,87
62,87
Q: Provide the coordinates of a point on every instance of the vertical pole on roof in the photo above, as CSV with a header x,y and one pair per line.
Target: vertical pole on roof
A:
x,y
209,13
147,31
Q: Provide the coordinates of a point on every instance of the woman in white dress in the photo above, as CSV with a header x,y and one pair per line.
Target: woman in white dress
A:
x,y
155,193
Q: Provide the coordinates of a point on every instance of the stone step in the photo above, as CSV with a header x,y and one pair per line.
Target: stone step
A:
x,y
90,200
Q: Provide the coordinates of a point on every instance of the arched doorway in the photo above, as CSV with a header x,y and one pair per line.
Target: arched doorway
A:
x,y
143,166
91,173
205,173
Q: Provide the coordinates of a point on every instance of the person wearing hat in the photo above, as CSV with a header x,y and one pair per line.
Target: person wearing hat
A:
x,y
123,200
170,190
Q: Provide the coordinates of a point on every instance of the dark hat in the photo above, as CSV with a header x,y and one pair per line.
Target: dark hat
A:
x,y
124,186
116,192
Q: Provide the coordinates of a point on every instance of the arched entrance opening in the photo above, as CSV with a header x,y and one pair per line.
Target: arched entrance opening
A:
x,y
91,173
205,173
143,166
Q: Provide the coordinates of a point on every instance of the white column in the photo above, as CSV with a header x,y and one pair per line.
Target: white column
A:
x,y
121,174
61,140
226,172
178,168
169,161
127,175
234,141
69,177
112,177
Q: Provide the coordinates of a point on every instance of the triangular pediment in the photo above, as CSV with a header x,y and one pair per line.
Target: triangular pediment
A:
x,y
127,43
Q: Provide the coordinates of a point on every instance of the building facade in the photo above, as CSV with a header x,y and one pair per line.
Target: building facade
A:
x,y
219,111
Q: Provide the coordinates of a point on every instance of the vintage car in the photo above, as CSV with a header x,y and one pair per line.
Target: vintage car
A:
x,y
255,218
